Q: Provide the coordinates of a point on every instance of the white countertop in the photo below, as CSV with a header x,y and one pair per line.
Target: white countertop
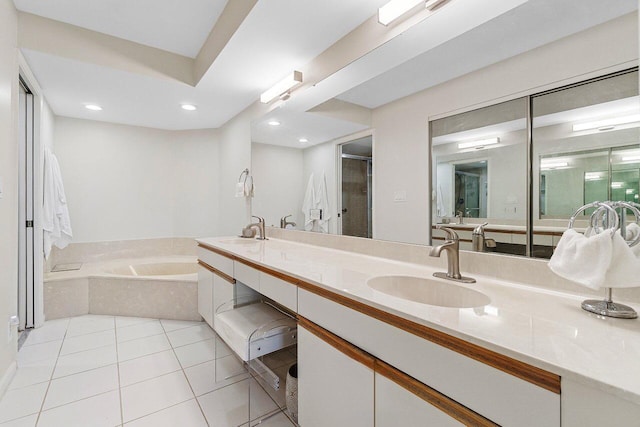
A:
x,y
544,328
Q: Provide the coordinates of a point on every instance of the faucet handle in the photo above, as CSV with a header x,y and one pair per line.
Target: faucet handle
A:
x,y
259,218
451,234
480,229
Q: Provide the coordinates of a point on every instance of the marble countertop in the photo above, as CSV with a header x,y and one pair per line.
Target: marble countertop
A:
x,y
544,328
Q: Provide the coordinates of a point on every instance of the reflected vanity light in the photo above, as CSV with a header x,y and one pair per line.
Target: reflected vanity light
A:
x,y
617,184
479,144
273,123
282,87
631,158
553,165
93,107
608,124
629,191
592,176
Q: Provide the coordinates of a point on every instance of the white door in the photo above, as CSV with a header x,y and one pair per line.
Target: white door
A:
x,y
26,209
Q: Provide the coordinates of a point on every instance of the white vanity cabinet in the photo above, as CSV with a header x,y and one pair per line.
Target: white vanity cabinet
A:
x,y
334,389
284,292
205,294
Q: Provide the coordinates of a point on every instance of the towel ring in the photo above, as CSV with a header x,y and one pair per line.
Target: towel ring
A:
x,y
636,214
601,206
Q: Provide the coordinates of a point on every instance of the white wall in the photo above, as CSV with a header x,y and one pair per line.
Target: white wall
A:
x,y
401,151
278,175
9,178
126,182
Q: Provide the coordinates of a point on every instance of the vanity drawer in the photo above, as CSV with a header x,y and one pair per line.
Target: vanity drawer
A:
x,y
282,292
497,395
247,275
217,261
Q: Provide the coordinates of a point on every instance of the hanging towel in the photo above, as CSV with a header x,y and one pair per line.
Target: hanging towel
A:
x,y
56,223
440,210
322,203
633,230
309,203
624,270
584,260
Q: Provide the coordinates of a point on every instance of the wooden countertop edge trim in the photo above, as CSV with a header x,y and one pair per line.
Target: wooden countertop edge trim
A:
x,y
433,397
503,231
338,343
522,370
217,251
217,272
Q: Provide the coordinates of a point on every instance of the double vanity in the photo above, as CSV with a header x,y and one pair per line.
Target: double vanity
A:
x,y
382,342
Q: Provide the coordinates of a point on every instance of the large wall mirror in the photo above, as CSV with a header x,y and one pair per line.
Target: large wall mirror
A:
x,y
585,148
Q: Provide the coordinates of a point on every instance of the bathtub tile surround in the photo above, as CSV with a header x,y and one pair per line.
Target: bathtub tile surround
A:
x,y
163,284
113,371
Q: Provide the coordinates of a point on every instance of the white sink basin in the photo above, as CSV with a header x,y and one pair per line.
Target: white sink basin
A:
x,y
428,291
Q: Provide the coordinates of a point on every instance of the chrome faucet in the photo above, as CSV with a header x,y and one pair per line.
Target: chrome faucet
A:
x,y
460,217
259,225
452,247
284,222
478,242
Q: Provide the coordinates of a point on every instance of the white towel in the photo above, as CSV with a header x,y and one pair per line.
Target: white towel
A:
x,y
581,259
633,230
440,210
309,203
322,203
624,270
56,223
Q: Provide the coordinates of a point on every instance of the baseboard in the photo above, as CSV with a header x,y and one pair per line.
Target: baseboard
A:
x,y
7,377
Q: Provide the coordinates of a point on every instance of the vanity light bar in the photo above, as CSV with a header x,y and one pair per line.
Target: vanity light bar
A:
x,y
280,88
607,124
630,158
478,144
617,184
395,9
592,176
553,165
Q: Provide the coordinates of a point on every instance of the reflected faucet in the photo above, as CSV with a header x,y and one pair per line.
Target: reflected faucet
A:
x,y
259,225
478,242
284,222
452,247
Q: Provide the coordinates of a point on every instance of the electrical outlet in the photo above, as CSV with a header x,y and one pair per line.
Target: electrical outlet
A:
x,y
400,196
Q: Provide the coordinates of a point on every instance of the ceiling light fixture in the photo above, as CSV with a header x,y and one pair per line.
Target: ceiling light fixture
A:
x,y
93,107
395,9
303,140
630,158
617,184
273,123
282,87
592,176
189,107
434,4
607,124
479,144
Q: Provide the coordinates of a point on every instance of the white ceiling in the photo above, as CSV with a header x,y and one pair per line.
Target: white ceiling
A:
x,y
176,26
281,35
276,37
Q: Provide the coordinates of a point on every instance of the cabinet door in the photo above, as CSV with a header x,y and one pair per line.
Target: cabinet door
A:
x,y
333,388
395,406
205,294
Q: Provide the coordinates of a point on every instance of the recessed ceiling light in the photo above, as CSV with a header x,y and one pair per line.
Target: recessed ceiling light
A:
x,y
303,140
274,123
189,107
93,107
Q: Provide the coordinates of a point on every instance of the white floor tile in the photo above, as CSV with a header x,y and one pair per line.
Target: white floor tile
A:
x,y
215,374
141,347
141,330
30,373
123,322
153,395
147,367
229,406
222,349
174,325
29,421
190,335
194,354
46,333
22,402
88,342
33,353
90,326
85,361
183,414
278,420
97,411
79,386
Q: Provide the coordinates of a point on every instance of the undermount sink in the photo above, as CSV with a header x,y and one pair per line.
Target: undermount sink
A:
x,y
428,291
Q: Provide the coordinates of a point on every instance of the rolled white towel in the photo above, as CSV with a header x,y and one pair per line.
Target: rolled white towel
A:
x,y
624,269
583,259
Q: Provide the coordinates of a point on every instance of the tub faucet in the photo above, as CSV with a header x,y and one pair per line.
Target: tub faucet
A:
x,y
259,225
452,247
284,222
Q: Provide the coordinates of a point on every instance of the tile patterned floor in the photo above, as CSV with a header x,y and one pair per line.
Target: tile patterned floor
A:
x,y
112,371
